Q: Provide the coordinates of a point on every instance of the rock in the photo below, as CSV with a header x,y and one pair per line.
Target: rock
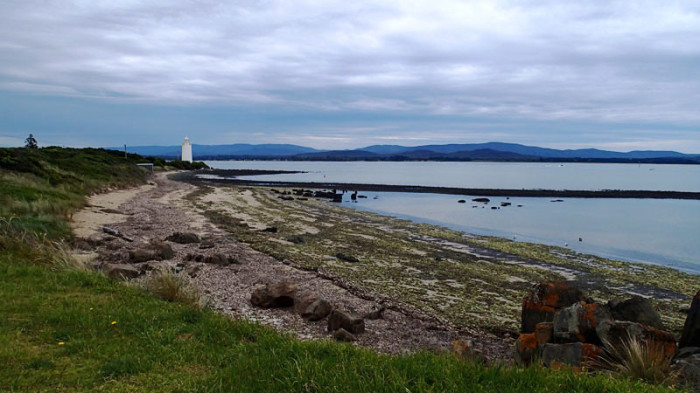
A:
x,y
578,322
303,301
617,333
120,271
544,300
296,239
573,354
505,204
636,309
687,365
346,258
220,259
340,319
690,336
271,229
156,250
463,349
461,201
274,295
544,332
317,310
375,314
483,200
343,335
183,238
206,245
193,270
526,349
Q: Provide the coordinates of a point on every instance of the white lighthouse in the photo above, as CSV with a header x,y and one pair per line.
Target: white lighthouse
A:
x,y
187,150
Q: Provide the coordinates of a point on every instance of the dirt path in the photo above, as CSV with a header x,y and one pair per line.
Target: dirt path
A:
x,y
156,211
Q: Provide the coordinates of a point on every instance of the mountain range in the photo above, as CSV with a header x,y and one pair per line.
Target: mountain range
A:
x,y
491,151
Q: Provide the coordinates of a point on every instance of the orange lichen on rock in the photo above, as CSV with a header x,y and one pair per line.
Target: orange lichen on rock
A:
x,y
544,332
544,300
526,348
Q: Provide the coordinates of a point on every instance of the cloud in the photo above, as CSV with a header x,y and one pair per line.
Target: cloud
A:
x,y
610,62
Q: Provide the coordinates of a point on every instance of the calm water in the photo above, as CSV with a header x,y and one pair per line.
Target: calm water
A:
x,y
645,230
486,175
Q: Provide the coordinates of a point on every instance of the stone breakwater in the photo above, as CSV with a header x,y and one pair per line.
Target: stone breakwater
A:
x,y
229,176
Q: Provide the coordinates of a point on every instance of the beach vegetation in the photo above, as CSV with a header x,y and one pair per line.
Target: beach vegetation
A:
x,y
66,328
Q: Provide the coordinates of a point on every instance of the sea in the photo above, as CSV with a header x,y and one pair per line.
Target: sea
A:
x,y
657,231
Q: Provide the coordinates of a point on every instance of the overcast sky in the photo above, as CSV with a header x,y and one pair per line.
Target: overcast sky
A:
x,y
344,74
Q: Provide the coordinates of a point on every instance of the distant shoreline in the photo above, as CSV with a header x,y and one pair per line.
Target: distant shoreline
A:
x,y
228,176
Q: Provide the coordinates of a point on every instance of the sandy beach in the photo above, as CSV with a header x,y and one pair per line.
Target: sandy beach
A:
x,y
437,285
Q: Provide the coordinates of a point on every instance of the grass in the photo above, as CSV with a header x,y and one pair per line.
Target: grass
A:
x,y
640,360
161,346
173,287
68,329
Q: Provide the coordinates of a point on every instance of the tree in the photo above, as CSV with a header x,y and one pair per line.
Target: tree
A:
x,y
30,142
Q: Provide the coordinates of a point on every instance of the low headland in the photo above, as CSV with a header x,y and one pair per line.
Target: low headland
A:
x,y
442,309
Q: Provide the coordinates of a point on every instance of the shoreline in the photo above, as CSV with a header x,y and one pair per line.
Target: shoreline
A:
x,y
506,266
438,285
193,177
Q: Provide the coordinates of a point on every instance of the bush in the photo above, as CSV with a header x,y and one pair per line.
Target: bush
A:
x,y
173,287
639,360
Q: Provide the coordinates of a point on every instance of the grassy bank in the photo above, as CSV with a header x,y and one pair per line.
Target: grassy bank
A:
x,y
69,329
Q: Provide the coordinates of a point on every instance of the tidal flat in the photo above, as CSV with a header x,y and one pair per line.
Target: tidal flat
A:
x,y
466,280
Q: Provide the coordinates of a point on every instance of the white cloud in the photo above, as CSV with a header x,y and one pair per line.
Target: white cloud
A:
x,y
614,61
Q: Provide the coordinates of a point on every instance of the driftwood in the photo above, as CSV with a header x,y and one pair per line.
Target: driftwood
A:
x,y
117,233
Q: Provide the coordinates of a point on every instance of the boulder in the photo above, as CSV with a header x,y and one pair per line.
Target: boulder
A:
x,y
120,271
579,355
544,300
617,333
526,349
343,335
578,322
690,336
280,294
637,309
544,332
687,365
183,238
340,319
303,301
317,310
156,250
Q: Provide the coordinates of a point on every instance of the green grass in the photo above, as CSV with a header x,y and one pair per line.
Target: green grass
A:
x,y
66,329
159,346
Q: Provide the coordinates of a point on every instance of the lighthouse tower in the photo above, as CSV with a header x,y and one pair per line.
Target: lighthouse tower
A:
x,y
187,150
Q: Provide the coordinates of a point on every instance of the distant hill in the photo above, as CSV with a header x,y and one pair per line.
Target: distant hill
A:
x,y
491,151
204,152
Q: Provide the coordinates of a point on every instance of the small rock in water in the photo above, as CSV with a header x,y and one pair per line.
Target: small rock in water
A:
x,y
461,201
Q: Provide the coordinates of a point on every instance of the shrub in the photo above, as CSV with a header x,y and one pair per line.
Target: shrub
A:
x,y
639,359
166,285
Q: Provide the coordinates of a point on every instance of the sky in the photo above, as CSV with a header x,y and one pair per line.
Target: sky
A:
x,y
616,75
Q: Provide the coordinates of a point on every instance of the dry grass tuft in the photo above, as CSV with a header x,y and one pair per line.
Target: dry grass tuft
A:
x,y
640,360
173,287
